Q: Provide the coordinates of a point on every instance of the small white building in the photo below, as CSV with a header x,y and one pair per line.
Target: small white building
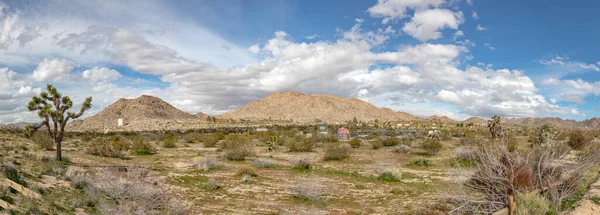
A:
x,y
261,129
120,122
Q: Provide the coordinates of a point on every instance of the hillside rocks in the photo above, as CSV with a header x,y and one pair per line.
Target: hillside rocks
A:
x,y
300,107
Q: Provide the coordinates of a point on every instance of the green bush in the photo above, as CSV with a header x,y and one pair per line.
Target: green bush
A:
x,y
420,162
210,140
432,146
192,137
390,176
10,172
170,141
355,143
43,140
113,147
376,144
336,151
301,145
531,204
235,150
141,147
390,141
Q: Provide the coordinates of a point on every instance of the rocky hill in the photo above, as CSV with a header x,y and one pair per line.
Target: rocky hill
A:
x,y
201,115
308,108
440,118
476,121
138,113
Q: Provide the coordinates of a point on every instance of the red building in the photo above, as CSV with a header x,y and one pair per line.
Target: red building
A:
x,y
343,133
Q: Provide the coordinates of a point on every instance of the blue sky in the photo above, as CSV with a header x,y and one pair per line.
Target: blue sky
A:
x,y
428,57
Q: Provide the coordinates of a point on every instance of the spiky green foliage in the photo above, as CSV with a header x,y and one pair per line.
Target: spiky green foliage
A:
x,y
51,106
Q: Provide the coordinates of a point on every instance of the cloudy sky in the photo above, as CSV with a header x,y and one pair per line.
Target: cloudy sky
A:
x,y
458,58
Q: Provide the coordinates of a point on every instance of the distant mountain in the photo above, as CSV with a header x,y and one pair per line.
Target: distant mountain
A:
x,y
136,113
202,115
439,118
475,121
308,108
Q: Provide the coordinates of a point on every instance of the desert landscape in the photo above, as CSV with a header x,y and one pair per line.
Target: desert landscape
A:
x,y
258,159
311,107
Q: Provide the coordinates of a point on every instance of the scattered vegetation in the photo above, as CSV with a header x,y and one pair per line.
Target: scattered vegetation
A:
x,y
355,143
390,176
105,147
577,139
140,146
306,189
43,140
402,149
263,163
170,141
208,163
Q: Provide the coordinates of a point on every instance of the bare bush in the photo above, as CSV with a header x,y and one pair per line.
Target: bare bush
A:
x,y
263,163
402,149
303,164
208,163
133,192
545,168
577,139
306,189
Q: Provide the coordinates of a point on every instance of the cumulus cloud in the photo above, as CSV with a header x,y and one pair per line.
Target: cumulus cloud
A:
x,y
54,69
475,15
100,74
8,20
391,10
426,25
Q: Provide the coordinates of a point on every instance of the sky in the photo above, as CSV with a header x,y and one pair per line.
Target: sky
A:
x,y
459,58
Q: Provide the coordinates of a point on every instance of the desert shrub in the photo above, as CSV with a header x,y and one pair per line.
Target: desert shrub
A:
x,y
133,192
355,143
306,190
10,172
170,141
208,163
140,147
246,170
337,151
210,140
43,140
390,176
235,149
78,178
301,145
246,179
512,143
402,149
263,163
531,203
577,139
211,184
420,162
54,168
464,158
192,137
302,164
390,142
376,144
113,147
432,146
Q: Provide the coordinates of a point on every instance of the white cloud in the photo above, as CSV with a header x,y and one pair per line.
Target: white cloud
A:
x,y
391,10
458,34
480,28
475,15
577,98
470,2
551,81
489,46
555,60
589,66
584,85
100,74
52,69
426,25
8,21
254,49
312,37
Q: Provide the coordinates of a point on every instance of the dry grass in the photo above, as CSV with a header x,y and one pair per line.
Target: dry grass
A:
x,y
208,163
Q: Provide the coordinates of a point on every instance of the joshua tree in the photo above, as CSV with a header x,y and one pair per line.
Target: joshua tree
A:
x,y
51,106
496,129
